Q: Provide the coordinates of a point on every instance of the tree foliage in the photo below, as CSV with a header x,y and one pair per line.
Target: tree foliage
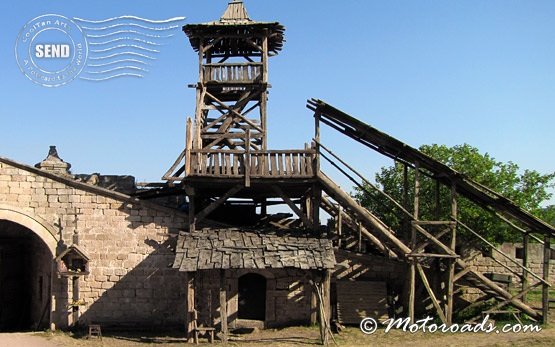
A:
x,y
529,189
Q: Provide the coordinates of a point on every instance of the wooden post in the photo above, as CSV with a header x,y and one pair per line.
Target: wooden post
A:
x,y
406,226
264,94
451,262
316,145
190,323
223,307
412,274
200,60
524,279
326,285
316,199
545,287
192,213
313,302
188,145
248,157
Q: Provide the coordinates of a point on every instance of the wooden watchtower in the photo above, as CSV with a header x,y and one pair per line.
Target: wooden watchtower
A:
x,y
226,153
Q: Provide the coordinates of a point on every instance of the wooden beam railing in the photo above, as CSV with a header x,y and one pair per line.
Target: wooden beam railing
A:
x,y
232,72
255,164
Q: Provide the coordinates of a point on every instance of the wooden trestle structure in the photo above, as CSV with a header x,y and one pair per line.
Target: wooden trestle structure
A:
x,y
226,158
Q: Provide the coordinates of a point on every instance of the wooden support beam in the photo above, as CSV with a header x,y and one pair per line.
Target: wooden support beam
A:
x,y
192,217
431,293
316,199
524,280
500,291
210,208
188,145
247,158
424,244
451,262
230,109
500,304
461,274
545,286
365,216
317,143
223,307
433,239
412,288
190,317
306,221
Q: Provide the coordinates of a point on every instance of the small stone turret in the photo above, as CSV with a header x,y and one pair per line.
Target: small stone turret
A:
x,y
54,164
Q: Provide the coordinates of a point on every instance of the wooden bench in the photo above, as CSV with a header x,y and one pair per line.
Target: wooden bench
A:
x,y
202,330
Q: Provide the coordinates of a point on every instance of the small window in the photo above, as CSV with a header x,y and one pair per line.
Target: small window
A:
x,y
519,252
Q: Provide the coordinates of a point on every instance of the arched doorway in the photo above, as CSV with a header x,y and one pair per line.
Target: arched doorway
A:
x,y
25,275
252,297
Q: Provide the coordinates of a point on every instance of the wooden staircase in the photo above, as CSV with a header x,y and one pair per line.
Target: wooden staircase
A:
x,y
438,236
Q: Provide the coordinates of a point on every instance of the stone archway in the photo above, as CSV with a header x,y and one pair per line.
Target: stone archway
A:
x,y
27,249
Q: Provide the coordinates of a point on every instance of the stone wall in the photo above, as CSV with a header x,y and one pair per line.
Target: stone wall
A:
x,y
130,245
486,264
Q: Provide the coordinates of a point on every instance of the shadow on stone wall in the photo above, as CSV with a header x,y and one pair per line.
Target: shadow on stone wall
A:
x,y
151,295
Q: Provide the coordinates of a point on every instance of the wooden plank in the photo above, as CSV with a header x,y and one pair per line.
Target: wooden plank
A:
x,y
227,163
288,165
280,164
296,164
217,168
236,171
274,169
203,163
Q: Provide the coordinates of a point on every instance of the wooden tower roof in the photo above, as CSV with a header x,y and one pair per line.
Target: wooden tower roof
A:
x,y
235,22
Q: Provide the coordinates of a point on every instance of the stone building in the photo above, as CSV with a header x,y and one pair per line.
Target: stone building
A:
x,y
77,249
128,245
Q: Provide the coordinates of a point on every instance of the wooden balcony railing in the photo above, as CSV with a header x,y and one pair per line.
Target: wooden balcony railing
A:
x,y
255,164
232,72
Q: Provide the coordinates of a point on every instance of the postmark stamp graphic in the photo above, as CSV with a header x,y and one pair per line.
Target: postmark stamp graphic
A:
x,y
51,50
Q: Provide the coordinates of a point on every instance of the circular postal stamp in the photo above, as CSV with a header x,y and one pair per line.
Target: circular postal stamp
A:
x,y
51,50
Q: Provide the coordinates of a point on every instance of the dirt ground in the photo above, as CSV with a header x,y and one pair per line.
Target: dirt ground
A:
x,y
306,336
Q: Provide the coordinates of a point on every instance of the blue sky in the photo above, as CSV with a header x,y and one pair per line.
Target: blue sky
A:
x,y
447,72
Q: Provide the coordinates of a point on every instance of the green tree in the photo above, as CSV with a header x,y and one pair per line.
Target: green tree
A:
x,y
528,189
